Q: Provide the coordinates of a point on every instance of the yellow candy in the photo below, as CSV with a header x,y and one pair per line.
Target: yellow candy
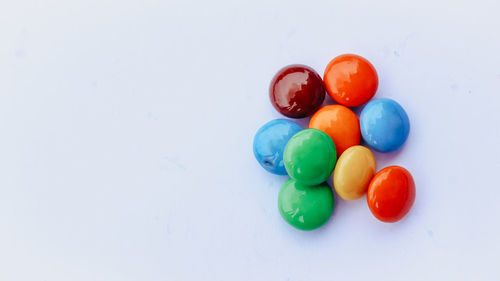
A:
x,y
353,172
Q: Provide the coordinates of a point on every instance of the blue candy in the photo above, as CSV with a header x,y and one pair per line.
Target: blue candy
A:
x,y
270,141
384,125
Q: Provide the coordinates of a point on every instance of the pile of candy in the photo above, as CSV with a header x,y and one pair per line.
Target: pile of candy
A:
x,y
332,143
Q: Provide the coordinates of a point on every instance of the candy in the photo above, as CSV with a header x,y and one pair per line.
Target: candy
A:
x,y
353,172
340,123
384,125
297,91
391,194
310,157
270,141
351,80
305,207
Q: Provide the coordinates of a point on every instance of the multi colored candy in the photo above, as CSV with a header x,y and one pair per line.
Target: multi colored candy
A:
x,y
309,156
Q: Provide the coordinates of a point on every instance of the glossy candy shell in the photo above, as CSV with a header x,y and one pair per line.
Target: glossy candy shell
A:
x,y
354,170
351,80
384,125
297,91
270,141
391,194
340,123
310,157
305,207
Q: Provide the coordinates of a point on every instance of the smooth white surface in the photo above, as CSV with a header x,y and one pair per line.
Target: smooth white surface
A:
x,y
127,126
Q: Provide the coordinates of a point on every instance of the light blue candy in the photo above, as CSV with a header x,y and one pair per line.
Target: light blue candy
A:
x,y
384,125
270,141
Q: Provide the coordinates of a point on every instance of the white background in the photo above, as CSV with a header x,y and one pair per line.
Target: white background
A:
x,y
126,134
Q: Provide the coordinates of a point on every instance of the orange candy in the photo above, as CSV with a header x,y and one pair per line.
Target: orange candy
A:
x,y
340,123
350,80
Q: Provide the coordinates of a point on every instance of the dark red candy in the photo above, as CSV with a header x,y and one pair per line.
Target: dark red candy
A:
x,y
297,91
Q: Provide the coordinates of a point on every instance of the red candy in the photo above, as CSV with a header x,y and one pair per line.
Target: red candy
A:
x,y
351,80
391,194
297,91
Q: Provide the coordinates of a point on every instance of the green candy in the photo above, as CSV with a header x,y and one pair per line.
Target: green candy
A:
x,y
305,207
310,157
